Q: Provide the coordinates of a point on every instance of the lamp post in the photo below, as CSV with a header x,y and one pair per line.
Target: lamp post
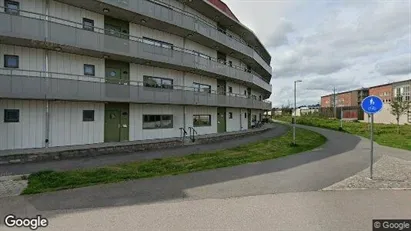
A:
x,y
295,107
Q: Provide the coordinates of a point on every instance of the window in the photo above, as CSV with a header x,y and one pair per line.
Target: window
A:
x,y
245,115
158,82
11,7
230,90
11,61
157,121
89,69
245,92
201,120
260,98
157,43
88,115
88,24
198,87
230,63
230,115
11,115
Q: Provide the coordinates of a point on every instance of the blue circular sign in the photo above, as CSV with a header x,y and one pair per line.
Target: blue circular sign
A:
x,y
372,104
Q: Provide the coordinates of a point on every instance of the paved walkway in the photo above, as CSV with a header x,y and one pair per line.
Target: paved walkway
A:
x,y
98,161
338,211
210,200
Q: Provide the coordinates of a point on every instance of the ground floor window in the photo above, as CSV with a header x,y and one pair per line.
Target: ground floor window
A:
x,y
11,115
201,120
157,121
88,115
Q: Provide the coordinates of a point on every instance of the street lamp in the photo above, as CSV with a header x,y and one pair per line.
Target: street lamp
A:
x,y
295,107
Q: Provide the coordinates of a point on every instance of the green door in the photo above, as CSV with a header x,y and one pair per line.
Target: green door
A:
x,y
117,72
112,125
221,120
116,122
113,75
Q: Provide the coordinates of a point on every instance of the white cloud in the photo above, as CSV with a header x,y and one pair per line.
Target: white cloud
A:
x,y
397,66
348,44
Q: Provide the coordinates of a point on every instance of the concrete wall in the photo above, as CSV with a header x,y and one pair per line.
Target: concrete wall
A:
x,y
190,78
29,59
136,121
74,14
74,64
237,88
142,31
193,110
29,131
68,128
137,73
233,124
385,116
37,6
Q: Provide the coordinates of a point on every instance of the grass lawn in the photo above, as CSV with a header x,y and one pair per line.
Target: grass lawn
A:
x,y
384,134
46,181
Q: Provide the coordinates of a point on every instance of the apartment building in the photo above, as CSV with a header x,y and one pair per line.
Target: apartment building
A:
x,y
388,92
83,72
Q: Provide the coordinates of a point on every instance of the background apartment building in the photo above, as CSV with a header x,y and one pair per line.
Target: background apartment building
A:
x,y
388,92
350,102
84,72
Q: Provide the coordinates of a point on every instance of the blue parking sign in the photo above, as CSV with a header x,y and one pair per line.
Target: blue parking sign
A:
x,y
372,104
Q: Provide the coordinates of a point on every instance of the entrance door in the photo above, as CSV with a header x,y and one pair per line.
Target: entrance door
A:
x,y
116,122
221,120
221,87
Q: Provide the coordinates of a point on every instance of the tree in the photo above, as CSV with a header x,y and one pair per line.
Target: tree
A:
x,y
399,107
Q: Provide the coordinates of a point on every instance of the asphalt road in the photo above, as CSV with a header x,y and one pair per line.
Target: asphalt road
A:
x,y
232,198
339,211
99,161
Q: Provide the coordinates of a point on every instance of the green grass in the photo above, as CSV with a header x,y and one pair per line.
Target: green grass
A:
x,y
46,181
384,134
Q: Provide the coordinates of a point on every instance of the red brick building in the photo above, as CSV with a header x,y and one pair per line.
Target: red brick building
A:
x,y
326,101
382,91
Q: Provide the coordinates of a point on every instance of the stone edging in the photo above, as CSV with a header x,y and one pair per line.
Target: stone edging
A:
x,y
91,152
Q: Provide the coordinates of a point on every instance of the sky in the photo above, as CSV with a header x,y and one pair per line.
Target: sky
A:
x,y
346,44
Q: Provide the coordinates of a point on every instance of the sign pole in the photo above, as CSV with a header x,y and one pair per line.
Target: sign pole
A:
x,y
372,144
372,105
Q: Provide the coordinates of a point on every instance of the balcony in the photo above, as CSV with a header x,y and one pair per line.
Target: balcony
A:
x,y
32,29
180,22
26,84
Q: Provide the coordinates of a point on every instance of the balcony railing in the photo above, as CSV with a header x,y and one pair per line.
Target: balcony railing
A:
x,y
202,57
28,84
227,34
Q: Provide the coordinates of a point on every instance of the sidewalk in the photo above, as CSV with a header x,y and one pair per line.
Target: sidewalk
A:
x,y
104,160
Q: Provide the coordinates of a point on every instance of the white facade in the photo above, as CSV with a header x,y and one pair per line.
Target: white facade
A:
x,y
29,132
68,128
63,123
